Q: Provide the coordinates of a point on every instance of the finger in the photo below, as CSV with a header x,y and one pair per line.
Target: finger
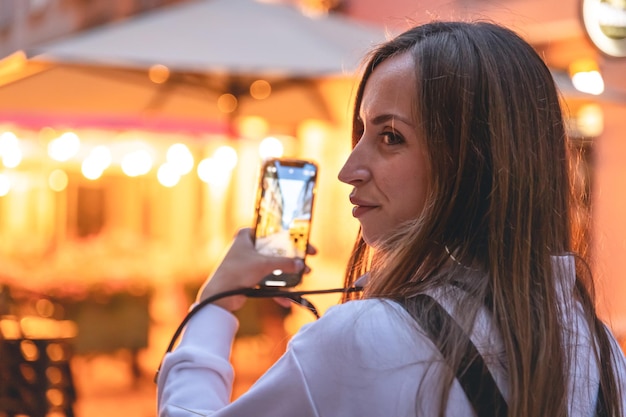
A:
x,y
244,236
283,302
287,265
311,250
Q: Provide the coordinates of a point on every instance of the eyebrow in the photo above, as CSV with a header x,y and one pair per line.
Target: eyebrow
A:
x,y
383,118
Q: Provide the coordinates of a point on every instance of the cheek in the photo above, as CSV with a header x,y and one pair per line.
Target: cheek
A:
x,y
411,194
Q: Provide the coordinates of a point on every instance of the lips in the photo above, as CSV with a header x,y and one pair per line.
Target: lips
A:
x,y
361,207
360,211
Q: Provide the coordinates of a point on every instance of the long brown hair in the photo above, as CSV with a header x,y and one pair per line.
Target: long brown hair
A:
x,y
500,199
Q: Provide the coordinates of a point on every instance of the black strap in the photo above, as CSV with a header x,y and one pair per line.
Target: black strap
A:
x,y
472,373
601,409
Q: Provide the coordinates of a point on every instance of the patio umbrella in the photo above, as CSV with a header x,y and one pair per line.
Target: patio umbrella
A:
x,y
202,50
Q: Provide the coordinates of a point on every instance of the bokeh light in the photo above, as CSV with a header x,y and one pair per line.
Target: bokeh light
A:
x,y
271,147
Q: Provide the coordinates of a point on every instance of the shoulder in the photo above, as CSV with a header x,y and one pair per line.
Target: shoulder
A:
x,y
370,358
362,315
365,329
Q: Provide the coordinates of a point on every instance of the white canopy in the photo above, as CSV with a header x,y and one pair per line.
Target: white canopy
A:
x,y
210,47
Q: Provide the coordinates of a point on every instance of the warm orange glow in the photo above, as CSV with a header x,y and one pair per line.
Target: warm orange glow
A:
x,y
33,326
5,185
55,352
47,134
590,120
158,74
227,103
10,328
29,350
252,127
12,64
54,375
55,397
58,180
44,307
260,89
313,130
582,65
28,373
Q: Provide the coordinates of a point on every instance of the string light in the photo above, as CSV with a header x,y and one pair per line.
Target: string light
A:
x,y
96,162
137,163
10,150
586,76
180,158
64,147
58,180
271,147
5,185
168,175
226,157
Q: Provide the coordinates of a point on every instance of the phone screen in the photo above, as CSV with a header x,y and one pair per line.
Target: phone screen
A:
x,y
283,215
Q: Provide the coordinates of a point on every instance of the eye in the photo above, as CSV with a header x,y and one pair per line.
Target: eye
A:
x,y
392,138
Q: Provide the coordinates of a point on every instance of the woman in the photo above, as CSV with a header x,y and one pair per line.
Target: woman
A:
x,y
460,176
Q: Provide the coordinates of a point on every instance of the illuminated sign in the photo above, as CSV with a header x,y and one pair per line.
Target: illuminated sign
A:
x,y
605,23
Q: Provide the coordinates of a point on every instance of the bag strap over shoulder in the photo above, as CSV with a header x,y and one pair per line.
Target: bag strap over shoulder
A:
x,y
472,373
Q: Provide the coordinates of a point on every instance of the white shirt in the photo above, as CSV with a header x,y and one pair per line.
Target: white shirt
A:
x,y
362,358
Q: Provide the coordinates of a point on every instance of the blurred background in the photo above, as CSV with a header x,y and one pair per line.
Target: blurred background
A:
x,y
131,133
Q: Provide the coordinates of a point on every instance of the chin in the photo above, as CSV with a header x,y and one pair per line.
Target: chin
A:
x,y
372,241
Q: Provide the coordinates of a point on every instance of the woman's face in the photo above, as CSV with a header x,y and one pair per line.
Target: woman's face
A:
x,y
387,167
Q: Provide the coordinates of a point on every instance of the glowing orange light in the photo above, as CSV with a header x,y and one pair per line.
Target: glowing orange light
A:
x,y
260,89
158,74
252,127
227,103
55,396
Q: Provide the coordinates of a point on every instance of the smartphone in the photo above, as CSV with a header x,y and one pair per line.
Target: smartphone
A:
x,y
284,208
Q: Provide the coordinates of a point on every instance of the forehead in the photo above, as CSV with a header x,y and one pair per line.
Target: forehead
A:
x,y
400,65
391,87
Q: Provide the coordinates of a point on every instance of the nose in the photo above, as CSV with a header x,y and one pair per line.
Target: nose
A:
x,y
355,170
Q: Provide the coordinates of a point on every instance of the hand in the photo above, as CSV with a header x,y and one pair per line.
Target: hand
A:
x,y
244,267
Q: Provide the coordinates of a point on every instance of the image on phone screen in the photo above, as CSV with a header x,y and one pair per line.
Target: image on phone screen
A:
x,y
284,209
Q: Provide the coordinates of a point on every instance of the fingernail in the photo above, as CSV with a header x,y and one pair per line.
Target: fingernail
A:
x,y
299,265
